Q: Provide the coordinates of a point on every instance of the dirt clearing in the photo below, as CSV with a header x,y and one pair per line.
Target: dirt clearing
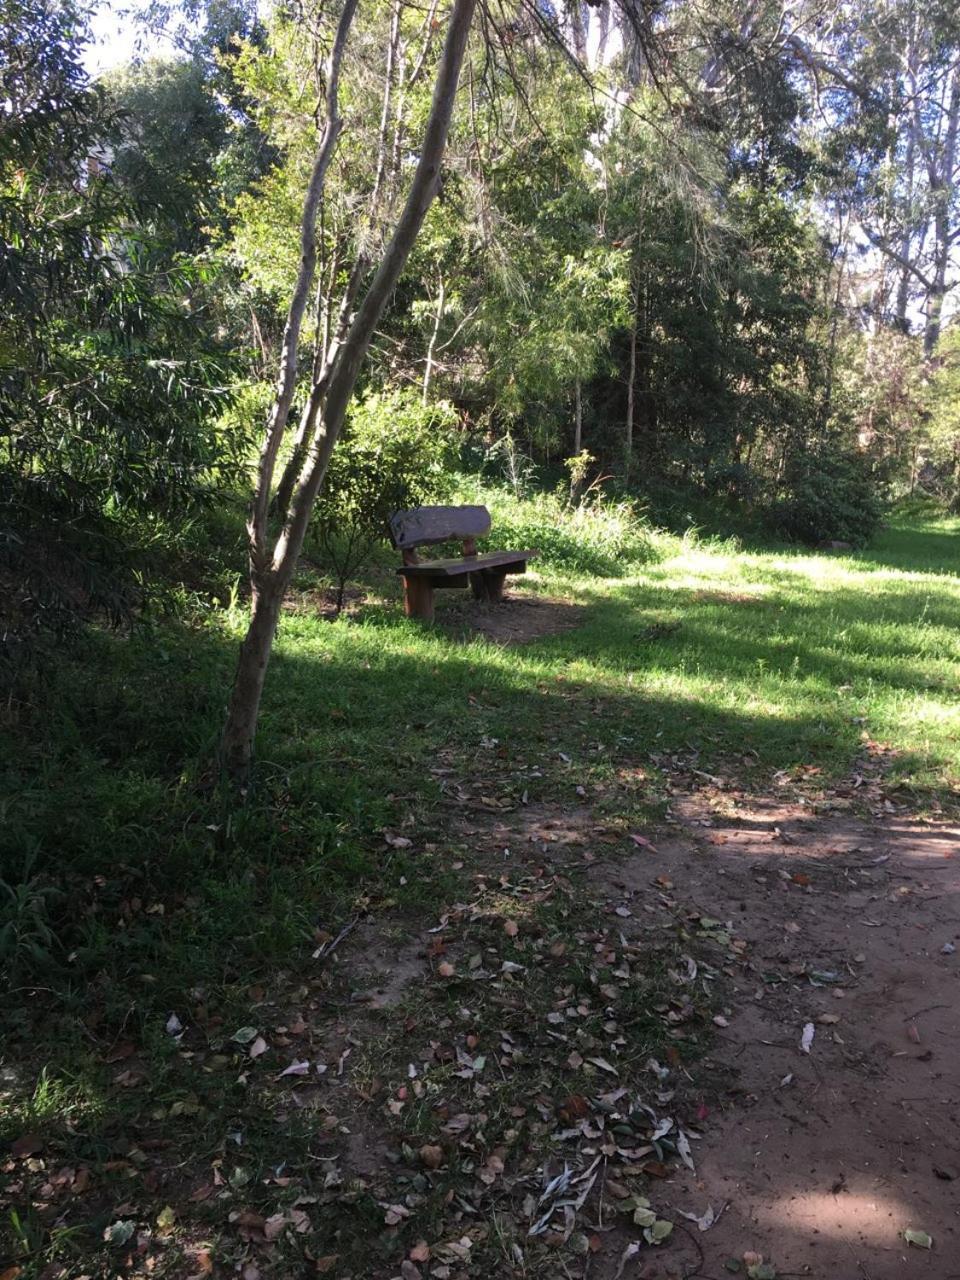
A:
x,y
825,1159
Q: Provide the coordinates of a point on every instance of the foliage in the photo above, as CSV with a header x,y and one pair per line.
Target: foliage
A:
x,y
596,535
830,492
110,372
943,463
396,454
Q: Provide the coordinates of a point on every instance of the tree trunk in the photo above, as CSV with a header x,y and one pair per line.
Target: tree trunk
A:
x,y
939,288
631,381
431,349
287,374
327,406
577,419
244,707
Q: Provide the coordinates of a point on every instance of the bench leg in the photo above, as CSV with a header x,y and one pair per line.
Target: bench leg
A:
x,y
488,585
418,598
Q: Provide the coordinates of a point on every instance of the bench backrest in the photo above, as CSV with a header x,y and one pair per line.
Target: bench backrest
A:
x,y
425,525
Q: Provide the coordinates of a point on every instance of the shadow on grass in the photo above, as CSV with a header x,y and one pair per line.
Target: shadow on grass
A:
x,y
115,837
164,898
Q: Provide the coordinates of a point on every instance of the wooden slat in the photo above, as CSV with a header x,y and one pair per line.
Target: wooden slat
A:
x,y
425,525
473,564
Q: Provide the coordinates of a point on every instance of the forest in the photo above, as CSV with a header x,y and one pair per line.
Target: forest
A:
x,y
671,288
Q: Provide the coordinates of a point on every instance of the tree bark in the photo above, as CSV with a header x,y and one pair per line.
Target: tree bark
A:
x,y
577,418
327,410
432,347
290,350
631,380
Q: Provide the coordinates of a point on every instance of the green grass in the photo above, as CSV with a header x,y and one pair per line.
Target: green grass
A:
x,y
133,888
783,658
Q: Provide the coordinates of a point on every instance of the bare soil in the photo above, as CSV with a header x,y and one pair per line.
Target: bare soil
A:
x,y
817,1161
823,1159
518,619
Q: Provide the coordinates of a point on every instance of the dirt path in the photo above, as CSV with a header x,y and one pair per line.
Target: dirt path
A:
x,y
816,1161
825,1159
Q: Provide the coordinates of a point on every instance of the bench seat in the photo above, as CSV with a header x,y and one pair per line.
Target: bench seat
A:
x,y
469,564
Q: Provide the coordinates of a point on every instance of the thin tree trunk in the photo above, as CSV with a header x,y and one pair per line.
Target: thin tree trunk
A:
x,y
903,286
432,347
324,428
604,24
631,380
287,374
577,419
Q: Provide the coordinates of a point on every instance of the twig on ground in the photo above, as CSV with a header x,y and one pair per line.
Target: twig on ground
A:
x,y
328,948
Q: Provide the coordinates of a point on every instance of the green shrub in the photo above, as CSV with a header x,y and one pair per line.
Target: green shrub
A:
x,y
598,536
831,492
396,453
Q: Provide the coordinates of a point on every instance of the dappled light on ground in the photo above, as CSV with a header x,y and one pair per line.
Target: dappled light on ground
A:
x,y
498,910
872,1216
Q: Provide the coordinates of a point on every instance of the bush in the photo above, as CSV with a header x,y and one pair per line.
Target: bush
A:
x,y
596,536
831,492
396,453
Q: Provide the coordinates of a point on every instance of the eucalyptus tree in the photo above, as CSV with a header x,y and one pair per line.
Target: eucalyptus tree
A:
x,y
276,529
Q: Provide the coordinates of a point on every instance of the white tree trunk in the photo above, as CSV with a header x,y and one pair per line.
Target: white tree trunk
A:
x,y
432,347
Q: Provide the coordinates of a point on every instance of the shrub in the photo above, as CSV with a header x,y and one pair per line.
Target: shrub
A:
x,y
831,491
596,536
396,453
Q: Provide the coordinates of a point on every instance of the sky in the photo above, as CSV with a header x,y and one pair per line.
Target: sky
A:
x,y
114,39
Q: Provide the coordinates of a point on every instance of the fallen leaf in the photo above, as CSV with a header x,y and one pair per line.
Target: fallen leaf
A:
x,y
446,969
258,1047
167,1219
659,1232
326,1263
28,1145
273,1227
604,1065
806,1040
420,1252
920,1239
643,842
431,1156
511,928
705,1220
295,1069
629,1252
118,1232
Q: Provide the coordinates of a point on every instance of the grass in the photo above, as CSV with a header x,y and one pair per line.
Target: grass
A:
x,y
132,890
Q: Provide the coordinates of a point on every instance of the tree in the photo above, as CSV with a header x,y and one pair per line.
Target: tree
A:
x,y
273,555
111,369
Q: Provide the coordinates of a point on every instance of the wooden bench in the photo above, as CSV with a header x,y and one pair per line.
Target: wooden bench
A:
x,y
426,526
